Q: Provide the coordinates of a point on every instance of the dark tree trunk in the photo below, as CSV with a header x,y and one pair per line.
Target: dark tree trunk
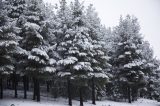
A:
x,y
134,93
25,86
69,92
27,83
1,85
48,86
9,83
34,89
129,94
150,95
38,90
15,84
93,92
81,96
13,81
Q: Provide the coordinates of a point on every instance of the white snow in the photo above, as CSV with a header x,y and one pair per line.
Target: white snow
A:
x,y
82,54
68,60
47,100
62,74
64,102
83,65
50,69
40,52
121,56
52,61
134,63
101,75
32,25
119,44
67,36
128,53
7,43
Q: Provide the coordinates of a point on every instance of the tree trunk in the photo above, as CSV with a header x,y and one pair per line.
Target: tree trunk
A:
x,y
1,85
34,89
48,87
9,83
13,81
38,90
69,92
81,96
27,83
25,86
134,93
129,94
15,84
93,92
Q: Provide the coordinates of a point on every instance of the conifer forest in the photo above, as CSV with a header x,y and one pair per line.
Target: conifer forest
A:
x,y
65,51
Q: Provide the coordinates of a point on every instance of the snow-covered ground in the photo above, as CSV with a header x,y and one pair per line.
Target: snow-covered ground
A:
x,y
63,102
48,101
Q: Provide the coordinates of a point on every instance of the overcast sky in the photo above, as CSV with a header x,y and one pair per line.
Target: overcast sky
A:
x,y
147,11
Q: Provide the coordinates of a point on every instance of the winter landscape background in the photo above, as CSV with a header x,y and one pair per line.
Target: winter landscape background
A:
x,y
145,10
70,52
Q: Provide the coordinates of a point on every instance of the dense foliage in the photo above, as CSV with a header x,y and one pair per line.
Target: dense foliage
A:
x,y
70,43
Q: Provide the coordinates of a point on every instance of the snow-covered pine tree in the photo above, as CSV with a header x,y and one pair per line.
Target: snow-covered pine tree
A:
x,y
74,46
2,20
151,68
15,9
93,23
49,30
8,42
63,42
33,40
63,24
129,61
77,47
152,88
99,61
110,45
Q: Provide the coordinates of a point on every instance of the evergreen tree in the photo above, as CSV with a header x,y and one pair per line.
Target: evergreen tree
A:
x,y
100,59
35,42
152,73
9,43
15,9
74,49
129,60
77,47
61,31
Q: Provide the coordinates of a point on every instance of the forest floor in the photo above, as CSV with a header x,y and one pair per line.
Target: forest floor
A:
x,y
48,101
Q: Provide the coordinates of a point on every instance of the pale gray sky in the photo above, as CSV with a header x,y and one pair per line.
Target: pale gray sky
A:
x,y
147,11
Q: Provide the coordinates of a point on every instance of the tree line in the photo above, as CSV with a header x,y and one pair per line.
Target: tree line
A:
x,y
68,41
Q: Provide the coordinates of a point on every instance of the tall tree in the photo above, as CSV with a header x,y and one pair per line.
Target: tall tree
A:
x,y
9,43
63,42
100,57
78,48
129,60
34,41
74,48
15,8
